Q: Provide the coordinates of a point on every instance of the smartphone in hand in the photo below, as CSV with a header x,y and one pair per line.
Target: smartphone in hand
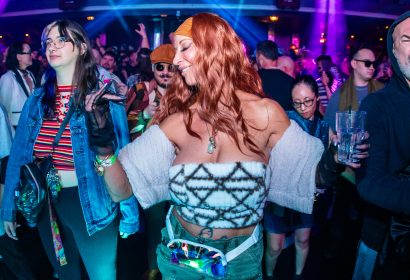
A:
x,y
107,85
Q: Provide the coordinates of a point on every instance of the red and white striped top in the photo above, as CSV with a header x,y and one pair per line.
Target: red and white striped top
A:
x,y
63,153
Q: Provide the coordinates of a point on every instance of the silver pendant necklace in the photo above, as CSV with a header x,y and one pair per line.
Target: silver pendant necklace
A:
x,y
211,141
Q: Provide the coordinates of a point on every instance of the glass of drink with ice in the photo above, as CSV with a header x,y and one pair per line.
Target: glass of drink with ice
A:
x,y
350,129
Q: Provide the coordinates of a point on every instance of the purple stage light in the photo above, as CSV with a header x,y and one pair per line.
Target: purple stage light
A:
x,y
328,33
3,5
336,39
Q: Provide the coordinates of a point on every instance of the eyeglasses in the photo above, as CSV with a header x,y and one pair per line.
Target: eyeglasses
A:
x,y
58,43
367,63
29,52
306,103
161,67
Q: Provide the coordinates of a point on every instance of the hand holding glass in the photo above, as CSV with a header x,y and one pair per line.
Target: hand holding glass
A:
x,y
350,128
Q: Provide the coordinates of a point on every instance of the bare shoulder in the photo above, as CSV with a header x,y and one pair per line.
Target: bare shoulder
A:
x,y
267,117
265,113
276,114
173,126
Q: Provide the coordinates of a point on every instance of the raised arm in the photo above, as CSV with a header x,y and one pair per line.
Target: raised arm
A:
x,y
102,140
142,166
143,33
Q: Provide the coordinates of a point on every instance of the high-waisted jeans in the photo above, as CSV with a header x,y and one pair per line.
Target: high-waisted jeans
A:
x,y
247,266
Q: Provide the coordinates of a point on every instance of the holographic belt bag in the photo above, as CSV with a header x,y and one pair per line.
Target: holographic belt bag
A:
x,y
202,258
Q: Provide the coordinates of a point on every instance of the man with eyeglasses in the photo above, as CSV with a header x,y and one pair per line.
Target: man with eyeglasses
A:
x,y
143,98
357,86
347,203
384,179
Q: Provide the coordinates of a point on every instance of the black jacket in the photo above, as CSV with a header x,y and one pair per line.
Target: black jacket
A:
x,y
388,122
277,85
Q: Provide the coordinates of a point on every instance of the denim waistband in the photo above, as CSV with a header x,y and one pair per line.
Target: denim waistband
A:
x,y
224,244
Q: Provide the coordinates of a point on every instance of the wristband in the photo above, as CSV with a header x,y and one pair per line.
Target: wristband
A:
x,y
101,164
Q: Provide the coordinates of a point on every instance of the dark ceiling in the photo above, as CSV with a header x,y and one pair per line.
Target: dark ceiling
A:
x,y
365,18
12,8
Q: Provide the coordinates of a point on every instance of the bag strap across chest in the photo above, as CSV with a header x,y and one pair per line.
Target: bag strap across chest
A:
x,y
62,127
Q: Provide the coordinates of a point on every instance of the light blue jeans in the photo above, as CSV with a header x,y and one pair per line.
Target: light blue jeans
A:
x,y
365,261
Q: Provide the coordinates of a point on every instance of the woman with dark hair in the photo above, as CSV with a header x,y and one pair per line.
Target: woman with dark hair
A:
x,y
17,84
278,220
218,150
83,210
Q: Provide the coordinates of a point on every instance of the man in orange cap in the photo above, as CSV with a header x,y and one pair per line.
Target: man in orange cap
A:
x,y
143,98
161,59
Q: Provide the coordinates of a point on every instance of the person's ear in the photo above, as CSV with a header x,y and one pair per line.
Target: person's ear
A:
x,y
18,57
353,63
83,48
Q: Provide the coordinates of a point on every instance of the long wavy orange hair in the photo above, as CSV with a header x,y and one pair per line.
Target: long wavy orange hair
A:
x,y
222,68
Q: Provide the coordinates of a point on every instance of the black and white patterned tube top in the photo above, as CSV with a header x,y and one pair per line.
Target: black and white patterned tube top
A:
x,y
219,195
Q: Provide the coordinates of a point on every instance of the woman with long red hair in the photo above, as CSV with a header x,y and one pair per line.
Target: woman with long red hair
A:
x,y
218,150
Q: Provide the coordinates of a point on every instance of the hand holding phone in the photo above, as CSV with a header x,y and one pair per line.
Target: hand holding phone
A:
x,y
107,85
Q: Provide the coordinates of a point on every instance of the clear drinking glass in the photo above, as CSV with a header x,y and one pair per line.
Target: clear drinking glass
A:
x,y
350,129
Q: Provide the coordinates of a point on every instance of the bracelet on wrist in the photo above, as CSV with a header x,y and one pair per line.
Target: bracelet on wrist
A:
x,y
101,164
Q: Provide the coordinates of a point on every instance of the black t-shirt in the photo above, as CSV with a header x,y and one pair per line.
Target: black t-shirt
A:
x,y
277,85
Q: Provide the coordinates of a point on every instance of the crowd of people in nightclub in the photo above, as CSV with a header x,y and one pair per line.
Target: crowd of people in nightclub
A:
x,y
221,159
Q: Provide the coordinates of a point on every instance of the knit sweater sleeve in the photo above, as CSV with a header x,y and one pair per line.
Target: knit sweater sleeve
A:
x,y
146,162
291,171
